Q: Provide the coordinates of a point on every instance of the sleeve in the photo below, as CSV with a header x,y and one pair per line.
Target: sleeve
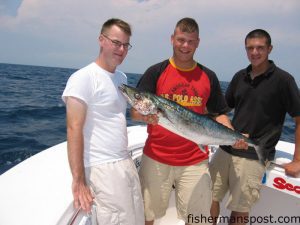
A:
x,y
216,103
149,79
78,86
291,97
229,94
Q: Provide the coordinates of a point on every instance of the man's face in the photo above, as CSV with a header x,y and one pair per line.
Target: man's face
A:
x,y
184,45
257,50
114,45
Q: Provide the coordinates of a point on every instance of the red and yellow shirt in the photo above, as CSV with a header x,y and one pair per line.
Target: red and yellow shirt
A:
x,y
197,89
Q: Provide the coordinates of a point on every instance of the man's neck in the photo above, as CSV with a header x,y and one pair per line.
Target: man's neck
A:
x,y
183,65
100,62
259,70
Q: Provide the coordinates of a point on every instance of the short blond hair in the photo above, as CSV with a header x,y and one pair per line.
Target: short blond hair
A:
x,y
188,25
124,26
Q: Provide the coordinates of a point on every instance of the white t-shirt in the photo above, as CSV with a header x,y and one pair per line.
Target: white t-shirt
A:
x,y
105,134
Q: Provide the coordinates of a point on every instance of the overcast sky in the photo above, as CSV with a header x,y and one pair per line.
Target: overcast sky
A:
x,y
63,33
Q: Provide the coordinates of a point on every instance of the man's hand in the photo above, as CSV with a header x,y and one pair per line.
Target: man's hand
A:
x,y
240,144
82,196
292,168
150,119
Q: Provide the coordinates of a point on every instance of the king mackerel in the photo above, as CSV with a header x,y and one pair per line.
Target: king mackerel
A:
x,y
198,128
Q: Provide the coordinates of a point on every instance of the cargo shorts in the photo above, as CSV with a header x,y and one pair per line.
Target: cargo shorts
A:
x,y
117,192
192,189
242,177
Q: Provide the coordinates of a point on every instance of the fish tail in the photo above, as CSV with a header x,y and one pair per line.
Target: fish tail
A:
x,y
262,143
260,155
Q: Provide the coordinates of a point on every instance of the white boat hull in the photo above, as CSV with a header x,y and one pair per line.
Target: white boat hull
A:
x,y
38,190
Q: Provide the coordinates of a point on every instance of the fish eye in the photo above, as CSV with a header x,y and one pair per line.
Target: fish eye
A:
x,y
137,96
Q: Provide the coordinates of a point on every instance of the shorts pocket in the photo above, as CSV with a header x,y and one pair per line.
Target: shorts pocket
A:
x,y
254,190
105,217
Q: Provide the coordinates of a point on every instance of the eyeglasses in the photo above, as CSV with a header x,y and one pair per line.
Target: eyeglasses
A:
x,y
118,44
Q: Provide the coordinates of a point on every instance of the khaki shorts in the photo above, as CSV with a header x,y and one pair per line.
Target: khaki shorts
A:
x,y
116,188
192,189
240,176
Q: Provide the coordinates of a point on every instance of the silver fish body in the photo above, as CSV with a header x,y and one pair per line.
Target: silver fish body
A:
x,y
198,128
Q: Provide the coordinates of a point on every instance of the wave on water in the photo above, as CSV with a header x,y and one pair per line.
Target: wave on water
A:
x,y
25,112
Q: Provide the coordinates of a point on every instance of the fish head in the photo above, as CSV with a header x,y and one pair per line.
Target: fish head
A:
x,y
143,102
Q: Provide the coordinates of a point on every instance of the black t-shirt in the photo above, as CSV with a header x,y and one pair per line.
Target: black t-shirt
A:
x,y
260,106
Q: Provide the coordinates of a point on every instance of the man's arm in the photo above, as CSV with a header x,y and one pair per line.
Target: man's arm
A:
x,y
76,113
293,168
224,119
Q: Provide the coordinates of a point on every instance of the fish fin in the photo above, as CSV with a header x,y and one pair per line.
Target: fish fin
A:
x,y
202,148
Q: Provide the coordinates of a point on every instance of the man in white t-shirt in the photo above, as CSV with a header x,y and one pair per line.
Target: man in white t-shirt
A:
x,y
101,167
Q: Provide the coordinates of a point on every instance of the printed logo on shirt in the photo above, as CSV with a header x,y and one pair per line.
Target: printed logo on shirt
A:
x,y
184,100
179,93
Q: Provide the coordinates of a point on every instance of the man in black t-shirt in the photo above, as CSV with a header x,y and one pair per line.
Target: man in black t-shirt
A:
x,y
260,95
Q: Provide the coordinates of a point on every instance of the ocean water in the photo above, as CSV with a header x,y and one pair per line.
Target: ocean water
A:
x,y
32,114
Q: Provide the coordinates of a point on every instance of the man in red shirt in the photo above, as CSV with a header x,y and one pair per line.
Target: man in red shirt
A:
x,y
169,159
